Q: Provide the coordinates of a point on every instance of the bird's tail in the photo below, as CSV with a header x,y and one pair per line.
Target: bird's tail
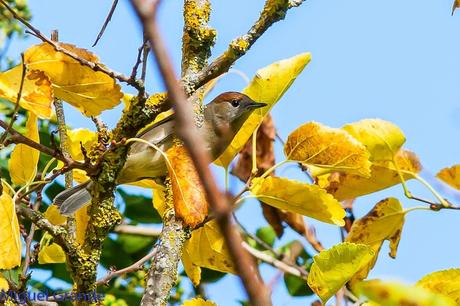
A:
x,y
72,199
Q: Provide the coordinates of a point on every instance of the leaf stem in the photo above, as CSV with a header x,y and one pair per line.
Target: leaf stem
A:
x,y
274,167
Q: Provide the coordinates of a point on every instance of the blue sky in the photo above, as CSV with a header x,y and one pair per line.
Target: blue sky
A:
x,y
395,60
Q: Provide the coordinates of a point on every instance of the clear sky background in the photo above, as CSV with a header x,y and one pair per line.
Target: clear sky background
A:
x,y
395,60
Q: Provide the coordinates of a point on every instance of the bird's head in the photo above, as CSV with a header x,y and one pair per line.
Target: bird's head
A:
x,y
224,117
230,110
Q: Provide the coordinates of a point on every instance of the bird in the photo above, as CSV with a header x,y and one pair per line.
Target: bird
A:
x,y
223,118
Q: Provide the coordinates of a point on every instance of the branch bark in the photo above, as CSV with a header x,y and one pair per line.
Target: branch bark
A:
x,y
187,132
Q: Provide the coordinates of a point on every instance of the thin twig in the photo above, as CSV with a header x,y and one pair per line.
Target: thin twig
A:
x,y
106,22
16,137
136,230
94,66
139,59
18,99
138,265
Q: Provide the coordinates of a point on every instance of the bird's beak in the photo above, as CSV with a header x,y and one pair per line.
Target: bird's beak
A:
x,y
254,105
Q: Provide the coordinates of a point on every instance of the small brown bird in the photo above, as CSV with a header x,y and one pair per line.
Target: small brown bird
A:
x,y
223,118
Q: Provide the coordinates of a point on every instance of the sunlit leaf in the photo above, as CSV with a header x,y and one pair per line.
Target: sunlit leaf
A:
x,y
206,248
89,91
3,283
81,224
344,186
382,139
450,176
384,222
446,282
334,267
294,196
189,197
268,86
78,138
455,6
24,159
53,215
391,294
36,95
50,252
198,302
10,238
324,149
159,201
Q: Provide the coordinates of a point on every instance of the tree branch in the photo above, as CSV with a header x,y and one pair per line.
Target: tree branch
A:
x,y
95,66
273,11
106,22
187,132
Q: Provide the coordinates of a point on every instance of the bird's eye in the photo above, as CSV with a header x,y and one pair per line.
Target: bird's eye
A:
x,y
235,103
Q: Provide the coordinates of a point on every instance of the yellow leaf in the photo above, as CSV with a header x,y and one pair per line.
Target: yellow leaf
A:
x,y
455,6
24,160
297,197
198,302
10,238
78,137
268,86
145,183
89,91
81,223
382,139
80,176
324,149
206,248
450,176
189,197
334,267
446,282
384,222
159,200
36,95
50,252
3,284
53,215
393,294
344,186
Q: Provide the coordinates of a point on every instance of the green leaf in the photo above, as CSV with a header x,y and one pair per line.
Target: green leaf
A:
x,y
296,286
139,208
267,235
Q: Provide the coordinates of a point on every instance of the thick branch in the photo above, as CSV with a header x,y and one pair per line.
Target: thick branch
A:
x,y
198,37
187,131
273,11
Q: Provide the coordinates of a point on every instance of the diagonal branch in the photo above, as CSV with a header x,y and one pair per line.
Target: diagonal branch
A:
x,y
95,66
187,132
273,11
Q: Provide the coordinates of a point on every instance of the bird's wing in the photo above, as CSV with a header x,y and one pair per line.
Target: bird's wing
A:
x,y
155,134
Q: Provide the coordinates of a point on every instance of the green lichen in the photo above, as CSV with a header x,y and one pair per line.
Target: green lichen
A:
x,y
198,37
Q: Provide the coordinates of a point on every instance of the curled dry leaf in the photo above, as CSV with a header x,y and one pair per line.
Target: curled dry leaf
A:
x,y
89,91
36,95
10,238
333,268
450,176
392,293
324,149
446,282
268,86
344,186
384,222
206,248
297,197
24,159
189,197
265,152
381,138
